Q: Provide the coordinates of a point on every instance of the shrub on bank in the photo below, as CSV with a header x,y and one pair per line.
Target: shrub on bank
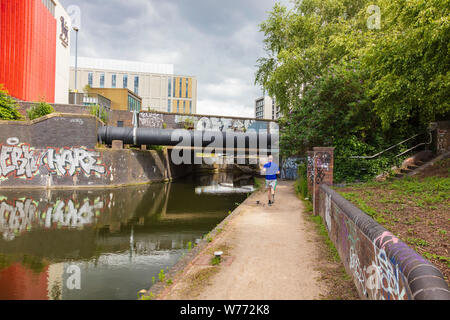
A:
x,y
8,106
39,110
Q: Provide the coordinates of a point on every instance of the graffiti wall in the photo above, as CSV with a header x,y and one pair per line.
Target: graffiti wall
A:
x,y
382,266
289,168
175,121
60,151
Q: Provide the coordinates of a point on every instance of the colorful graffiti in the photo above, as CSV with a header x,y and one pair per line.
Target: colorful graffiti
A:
x,y
289,168
72,161
20,160
376,275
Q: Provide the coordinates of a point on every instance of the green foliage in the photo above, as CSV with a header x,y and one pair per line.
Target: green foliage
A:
x,y
301,185
215,261
161,276
8,106
39,110
99,112
360,90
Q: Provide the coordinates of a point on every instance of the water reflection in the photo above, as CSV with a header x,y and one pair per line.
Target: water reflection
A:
x,y
101,244
225,182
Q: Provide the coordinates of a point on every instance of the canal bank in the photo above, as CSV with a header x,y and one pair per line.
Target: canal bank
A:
x,y
269,253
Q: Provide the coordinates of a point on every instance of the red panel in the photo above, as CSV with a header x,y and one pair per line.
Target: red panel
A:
x,y
28,49
20,283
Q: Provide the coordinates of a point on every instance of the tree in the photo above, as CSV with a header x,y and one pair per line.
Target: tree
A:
x,y
342,83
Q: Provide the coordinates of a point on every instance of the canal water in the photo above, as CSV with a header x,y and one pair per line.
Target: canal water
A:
x,y
106,244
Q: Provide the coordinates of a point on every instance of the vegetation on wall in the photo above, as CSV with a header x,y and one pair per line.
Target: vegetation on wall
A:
x,y
99,112
39,110
347,77
8,106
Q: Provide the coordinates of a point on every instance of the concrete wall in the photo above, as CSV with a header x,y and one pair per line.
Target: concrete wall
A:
x,y
59,150
382,266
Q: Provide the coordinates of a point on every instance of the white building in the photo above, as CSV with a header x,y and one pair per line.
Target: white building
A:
x,y
156,84
62,70
266,108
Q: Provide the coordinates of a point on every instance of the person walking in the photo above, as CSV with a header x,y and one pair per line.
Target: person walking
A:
x,y
271,170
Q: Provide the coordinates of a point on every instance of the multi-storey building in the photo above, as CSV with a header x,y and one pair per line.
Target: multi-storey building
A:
x,y
156,84
266,108
35,50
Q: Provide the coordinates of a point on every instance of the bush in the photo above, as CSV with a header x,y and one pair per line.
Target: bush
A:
x,y
99,112
8,106
39,110
301,185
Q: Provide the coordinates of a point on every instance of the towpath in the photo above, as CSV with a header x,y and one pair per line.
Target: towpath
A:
x,y
269,254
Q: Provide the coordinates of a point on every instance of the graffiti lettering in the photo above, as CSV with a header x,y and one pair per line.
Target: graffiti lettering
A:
x,y
151,120
19,160
71,161
23,215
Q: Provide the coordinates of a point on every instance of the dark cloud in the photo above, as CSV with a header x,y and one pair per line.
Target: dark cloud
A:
x,y
217,41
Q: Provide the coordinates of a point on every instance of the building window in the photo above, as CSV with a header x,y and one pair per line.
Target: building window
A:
x,y
174,87
125,81
133,104
184,106
181,85
187,87
170,88
102,80
113,80
120,123
136,84
190,107
169,106
178,106
91,79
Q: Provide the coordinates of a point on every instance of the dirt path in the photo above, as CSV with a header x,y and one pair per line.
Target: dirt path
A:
x,y
270,254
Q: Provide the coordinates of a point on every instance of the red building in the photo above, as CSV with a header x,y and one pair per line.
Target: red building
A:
x,y
28,39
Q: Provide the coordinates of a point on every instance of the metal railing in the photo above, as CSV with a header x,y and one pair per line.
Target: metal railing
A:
x,y
429,131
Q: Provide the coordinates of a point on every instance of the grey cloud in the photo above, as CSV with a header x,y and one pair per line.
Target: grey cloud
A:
x,y
217,41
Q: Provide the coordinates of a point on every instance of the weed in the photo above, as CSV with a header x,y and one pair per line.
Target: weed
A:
x,y
161,276
215,261
169,282
417,242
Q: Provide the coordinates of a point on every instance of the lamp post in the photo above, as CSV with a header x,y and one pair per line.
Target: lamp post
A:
x,y
76,57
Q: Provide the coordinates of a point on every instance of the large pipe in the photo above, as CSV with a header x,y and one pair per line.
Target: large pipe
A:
x,y
171,137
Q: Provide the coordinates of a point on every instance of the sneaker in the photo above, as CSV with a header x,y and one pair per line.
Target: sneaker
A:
x,y
270,203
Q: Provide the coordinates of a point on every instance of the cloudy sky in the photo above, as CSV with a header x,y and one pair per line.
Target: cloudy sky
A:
x,y
218,41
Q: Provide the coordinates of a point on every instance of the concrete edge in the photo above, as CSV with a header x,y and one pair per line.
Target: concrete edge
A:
x,y
159,289
49,116
398,252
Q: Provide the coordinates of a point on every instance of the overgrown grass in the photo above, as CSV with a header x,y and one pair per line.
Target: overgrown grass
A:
x,y
258,183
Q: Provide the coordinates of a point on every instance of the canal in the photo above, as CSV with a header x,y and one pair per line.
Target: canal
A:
x,y
106,244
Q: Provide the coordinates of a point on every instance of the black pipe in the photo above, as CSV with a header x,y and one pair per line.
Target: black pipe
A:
x,y
171,137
